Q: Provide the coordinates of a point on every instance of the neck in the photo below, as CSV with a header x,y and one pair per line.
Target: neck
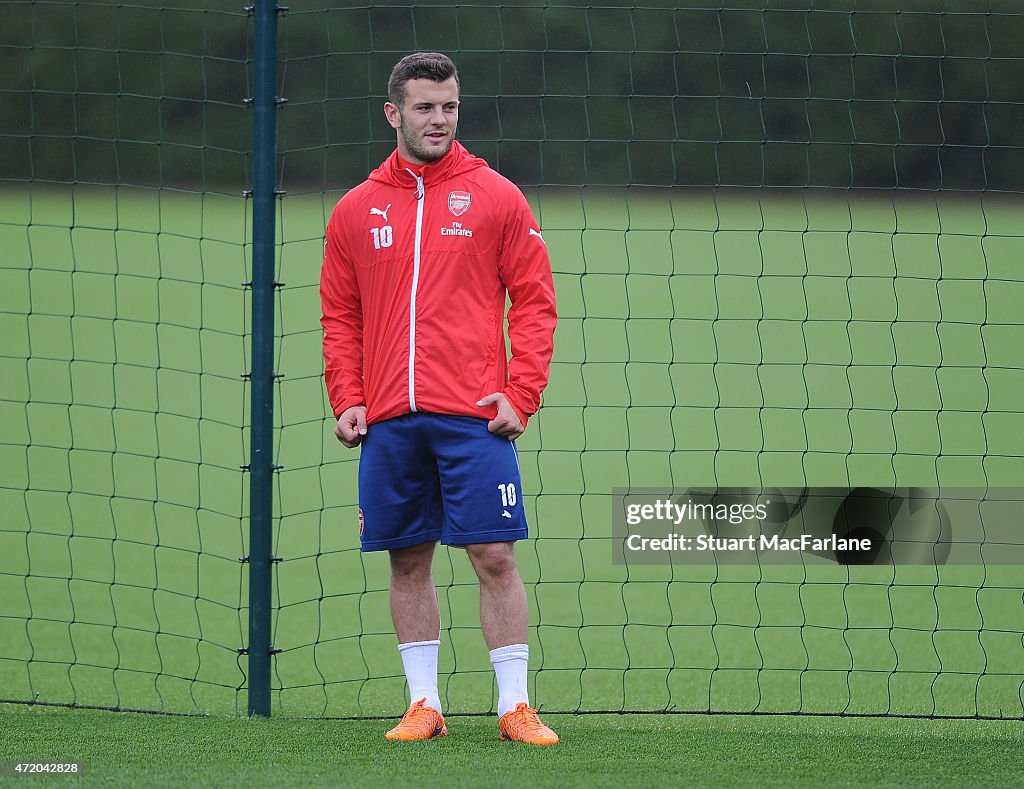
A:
x,y
418,167
405,164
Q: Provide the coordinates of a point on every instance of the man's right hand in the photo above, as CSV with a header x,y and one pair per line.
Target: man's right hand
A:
x,y
351,426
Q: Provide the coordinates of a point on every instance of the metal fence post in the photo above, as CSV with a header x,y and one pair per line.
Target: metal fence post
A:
x,y
261,465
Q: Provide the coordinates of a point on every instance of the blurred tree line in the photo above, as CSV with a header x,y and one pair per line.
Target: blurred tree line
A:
x,y
844,93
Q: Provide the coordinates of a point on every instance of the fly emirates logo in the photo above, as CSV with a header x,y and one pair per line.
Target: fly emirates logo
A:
x,y
456,230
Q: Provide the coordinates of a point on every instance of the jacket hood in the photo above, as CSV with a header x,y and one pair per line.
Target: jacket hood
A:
x,y
456,162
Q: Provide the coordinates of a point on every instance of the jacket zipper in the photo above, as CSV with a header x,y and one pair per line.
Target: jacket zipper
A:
x,y
415,284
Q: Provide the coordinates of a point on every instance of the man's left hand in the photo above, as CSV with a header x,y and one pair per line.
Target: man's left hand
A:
x,y
506,423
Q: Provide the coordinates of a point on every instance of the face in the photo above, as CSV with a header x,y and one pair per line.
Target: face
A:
x,y
426,122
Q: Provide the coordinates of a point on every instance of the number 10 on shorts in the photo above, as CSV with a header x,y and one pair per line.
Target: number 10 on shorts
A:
x,y
508,494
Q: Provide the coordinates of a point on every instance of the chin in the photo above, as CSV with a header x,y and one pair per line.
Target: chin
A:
x,y
433,154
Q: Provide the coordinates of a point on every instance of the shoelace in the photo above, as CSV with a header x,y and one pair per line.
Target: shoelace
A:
x,y
414,712
529,720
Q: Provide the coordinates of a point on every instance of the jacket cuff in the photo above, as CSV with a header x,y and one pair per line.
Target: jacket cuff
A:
x,y
346,404
523,416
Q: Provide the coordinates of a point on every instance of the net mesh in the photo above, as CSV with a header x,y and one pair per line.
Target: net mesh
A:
x,y
786,253
122,506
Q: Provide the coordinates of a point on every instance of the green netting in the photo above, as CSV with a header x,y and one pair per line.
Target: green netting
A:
x,y
728,338
124,235
787,251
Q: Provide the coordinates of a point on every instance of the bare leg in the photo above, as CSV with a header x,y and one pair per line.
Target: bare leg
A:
x,y
504,616
504,612
413,595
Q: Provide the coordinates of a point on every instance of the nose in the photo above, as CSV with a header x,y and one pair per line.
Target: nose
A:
x,y
437,116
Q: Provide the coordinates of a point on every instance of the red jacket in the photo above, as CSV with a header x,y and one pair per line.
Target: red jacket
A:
x,y
413,287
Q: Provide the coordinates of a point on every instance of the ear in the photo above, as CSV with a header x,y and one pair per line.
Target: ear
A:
x,y
393,114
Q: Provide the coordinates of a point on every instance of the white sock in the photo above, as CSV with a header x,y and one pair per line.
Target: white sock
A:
x,y
510,671
420,661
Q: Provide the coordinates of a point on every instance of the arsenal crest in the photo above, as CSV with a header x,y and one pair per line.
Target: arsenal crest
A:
x,y
459,202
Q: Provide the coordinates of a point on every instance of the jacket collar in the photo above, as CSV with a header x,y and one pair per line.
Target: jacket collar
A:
x,y
458,160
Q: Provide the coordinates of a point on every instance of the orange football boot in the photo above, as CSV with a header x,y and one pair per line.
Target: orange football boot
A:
x,y
419,723
523,725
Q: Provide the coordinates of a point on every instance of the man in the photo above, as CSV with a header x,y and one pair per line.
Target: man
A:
x,y
417,264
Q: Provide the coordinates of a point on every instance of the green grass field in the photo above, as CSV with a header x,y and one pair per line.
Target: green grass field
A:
x,y
726,337
596,750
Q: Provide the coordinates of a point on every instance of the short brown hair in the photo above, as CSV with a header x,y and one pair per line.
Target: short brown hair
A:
x,y
419,65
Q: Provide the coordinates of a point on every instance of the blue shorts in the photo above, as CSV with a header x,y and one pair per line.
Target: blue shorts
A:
x,y
428,477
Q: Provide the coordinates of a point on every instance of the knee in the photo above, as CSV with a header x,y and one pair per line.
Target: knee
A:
x,y
493,561
412,564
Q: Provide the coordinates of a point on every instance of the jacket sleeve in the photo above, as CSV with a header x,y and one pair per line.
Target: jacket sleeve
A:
x,y
342,322
525,269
